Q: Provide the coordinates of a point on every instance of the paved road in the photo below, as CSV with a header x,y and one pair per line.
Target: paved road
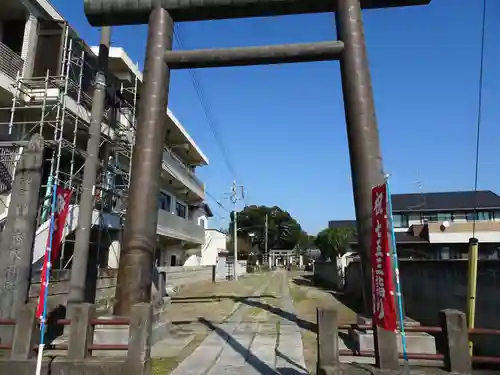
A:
x,y
242,347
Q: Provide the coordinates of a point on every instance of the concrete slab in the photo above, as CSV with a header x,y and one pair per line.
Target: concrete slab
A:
x,y
417,342
226,370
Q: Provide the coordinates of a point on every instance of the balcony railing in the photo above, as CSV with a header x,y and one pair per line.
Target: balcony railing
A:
x,y
10,62
181,172
173,226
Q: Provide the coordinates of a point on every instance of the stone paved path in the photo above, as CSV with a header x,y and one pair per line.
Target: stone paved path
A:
x,y
240,346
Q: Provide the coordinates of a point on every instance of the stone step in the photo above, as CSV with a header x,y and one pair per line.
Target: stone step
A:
x,y
371,361
416,342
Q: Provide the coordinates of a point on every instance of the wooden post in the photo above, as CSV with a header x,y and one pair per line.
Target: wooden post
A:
x,y
456,334
327,341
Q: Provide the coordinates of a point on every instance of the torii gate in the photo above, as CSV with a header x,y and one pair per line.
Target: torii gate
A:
x,y
136,259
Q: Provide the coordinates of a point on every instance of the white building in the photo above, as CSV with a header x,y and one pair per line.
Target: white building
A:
x,y
208,255
46,74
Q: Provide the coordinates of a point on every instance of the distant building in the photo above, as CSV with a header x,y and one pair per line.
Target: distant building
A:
x,y
439,225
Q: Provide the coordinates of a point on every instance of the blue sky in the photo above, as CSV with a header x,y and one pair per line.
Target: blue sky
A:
x,y
283,126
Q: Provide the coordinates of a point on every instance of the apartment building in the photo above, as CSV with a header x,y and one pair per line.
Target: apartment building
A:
x,y
439,225
46,75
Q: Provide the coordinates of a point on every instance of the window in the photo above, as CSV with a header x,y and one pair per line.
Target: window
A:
x,y
459,216
444,216
400,221
165,202
202,223
180,210
480,216
430,217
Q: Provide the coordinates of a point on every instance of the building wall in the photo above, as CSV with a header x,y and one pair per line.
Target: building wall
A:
x,y
415,218
215,242
170,253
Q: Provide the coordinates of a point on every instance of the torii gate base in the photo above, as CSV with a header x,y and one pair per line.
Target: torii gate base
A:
x,y
136,260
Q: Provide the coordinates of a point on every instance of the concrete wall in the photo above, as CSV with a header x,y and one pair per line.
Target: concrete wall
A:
x,y
59,284
327,273
59,287
180,276
432,285
223,270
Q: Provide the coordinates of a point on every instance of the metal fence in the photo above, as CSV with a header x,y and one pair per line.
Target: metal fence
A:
x,y
10,62
8,160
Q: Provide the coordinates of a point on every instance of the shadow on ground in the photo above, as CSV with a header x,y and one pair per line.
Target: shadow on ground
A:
x,y
253,302
216,298
252,360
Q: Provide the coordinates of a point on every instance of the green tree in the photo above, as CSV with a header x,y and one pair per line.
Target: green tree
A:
x,y
305,241
334,241
283,230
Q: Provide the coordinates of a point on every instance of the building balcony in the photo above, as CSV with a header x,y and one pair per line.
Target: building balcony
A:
x,y
170,225
10,64
180,172
460,232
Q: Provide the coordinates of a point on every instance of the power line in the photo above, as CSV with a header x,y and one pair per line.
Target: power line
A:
x,y
479,113
217,201
202,97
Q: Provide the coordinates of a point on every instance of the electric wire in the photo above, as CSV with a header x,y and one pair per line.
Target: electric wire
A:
x,y
217,201
479,113
202,97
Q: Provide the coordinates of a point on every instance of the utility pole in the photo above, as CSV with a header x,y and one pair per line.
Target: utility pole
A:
x,y
78,276
265,241
234,198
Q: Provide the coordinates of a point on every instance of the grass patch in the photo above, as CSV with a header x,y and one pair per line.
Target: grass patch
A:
x,y
163,366
298,294
253,311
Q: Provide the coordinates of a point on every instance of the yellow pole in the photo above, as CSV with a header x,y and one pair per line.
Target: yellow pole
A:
x,y
472,285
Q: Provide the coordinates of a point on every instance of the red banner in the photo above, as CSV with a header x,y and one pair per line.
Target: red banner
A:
x,y
63,198
384,305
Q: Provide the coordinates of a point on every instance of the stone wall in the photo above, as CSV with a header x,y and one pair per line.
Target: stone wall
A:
x,y
59,283
432,285
328,273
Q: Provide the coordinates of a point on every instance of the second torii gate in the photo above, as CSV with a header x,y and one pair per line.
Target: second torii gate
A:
x,y
136,260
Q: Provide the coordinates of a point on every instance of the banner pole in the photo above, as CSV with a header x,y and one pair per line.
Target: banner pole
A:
x,y
399,298
45,287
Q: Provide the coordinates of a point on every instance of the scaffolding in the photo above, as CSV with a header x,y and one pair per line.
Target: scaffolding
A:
x,y
58,108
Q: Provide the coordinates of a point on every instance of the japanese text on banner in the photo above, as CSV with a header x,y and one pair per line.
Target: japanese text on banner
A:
x,y
384,306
